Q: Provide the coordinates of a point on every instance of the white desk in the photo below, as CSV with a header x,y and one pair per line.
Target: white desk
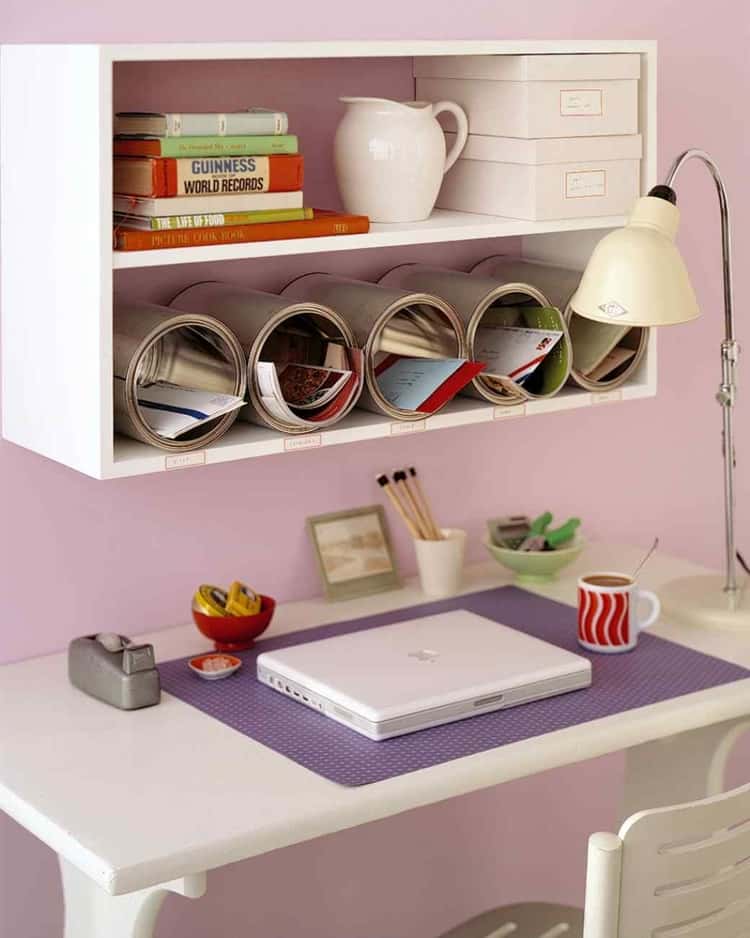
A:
x,y
69,763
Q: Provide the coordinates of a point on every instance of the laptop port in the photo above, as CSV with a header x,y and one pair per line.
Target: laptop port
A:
x,y
486,701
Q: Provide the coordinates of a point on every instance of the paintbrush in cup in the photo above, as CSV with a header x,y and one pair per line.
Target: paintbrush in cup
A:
x,y
385,483
424,504
402,487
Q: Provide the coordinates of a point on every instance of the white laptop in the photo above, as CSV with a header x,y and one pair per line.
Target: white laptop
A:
x,y
399,678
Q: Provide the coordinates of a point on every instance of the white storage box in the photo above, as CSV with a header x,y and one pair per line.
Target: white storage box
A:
x,y
539,180
534,96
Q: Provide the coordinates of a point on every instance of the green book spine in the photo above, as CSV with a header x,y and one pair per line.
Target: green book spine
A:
x,y
222,219
263,145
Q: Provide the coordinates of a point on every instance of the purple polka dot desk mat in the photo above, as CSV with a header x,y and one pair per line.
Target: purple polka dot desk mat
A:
x,y
657,670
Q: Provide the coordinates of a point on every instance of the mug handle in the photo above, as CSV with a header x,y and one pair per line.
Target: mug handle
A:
x,y
462,130
653,615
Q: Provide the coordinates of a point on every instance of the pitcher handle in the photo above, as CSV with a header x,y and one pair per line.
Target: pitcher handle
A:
x,y
462,130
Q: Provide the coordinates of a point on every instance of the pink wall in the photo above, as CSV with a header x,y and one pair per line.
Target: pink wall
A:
x,y
127,554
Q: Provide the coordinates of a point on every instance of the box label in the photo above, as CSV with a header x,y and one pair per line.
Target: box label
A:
x,y
581,102
309,441
408,426
500,412
589,184
185,460
606,397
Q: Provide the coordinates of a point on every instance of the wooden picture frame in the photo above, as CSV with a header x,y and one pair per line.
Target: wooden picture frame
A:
x,y
353,552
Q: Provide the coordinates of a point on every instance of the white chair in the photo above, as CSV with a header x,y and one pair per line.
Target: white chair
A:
x,y
676,872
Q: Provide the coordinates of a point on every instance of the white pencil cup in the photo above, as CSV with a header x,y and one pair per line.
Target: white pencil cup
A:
x,y
440,563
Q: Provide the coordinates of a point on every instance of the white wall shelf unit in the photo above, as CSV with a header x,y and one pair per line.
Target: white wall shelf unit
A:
x,y
58,262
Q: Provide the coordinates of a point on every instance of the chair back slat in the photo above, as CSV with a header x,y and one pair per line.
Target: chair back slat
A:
x,y
705,897
690,820
731,922
686,870
702,856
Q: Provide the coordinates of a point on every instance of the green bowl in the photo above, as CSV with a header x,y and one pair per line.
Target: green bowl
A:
x,y
536,566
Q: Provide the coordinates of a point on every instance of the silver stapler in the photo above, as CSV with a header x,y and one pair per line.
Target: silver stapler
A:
x,y
113,669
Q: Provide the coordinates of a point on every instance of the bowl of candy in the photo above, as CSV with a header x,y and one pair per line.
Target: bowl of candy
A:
x,y
232,618
533,550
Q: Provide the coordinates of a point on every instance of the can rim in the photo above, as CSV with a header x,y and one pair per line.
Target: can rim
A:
x,y
253,356
587,384
393,308
216,428
512,399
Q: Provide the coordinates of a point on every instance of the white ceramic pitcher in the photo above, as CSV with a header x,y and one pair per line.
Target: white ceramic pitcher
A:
x,y
390,156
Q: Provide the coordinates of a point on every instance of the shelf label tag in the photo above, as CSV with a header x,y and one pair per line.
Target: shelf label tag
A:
x,y
501,412
408,426
606,397
306,441
581,102
185,460
587,184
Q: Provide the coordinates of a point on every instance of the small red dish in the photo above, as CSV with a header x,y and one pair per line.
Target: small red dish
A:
x,y
235,633
214,667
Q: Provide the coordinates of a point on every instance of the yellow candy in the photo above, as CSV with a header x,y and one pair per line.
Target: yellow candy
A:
x,y
242,601
210,600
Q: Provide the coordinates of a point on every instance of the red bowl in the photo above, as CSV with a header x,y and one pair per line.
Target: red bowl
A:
x,y
235,633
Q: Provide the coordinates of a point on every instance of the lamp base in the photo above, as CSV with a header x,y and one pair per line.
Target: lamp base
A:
x,y
701,601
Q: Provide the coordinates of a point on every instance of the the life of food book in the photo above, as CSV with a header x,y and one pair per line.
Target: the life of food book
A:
x,y
211,220
158,177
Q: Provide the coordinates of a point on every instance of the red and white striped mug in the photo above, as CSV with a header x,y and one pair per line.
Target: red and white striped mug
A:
x,y
608,619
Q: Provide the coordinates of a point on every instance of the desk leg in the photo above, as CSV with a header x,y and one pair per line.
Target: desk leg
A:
x,y
684,767
90,912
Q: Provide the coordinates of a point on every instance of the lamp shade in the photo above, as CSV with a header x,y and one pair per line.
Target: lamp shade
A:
x,y
636,276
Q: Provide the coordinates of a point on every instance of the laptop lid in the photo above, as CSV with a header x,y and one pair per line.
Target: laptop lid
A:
x,y
407,667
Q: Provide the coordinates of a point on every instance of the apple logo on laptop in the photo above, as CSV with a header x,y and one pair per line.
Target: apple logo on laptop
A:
x,y
425,654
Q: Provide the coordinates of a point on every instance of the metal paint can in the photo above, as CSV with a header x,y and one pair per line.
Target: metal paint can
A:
x,y
489,300
254,317
152,343
386,321
559,284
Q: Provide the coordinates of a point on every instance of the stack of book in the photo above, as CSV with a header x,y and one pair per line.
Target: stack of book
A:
x,y
182,180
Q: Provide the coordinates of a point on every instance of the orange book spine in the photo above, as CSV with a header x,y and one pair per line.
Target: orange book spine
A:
x,y
179,176
321,225
287,173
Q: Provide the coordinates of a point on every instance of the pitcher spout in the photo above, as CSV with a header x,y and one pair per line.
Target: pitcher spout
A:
x,y
387,105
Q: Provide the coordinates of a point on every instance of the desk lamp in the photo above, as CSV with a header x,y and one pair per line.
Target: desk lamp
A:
x,y
636,277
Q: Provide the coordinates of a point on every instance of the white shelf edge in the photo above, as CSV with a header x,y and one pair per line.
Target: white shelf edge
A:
x,y
247,441
346,48
442,226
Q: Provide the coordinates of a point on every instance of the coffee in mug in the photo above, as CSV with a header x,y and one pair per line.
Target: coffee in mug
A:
x,y
607,579
608,617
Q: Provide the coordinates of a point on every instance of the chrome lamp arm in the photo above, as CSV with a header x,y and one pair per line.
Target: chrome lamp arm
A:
x,y
729,355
